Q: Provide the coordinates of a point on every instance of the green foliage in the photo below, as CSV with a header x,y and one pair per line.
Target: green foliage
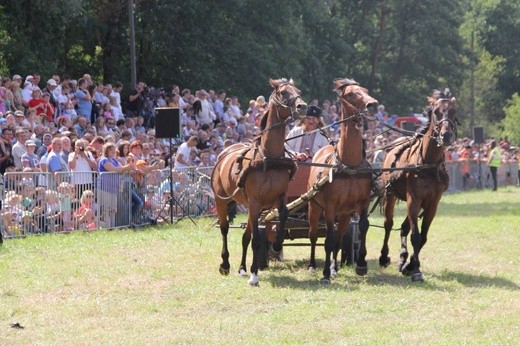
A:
x,y
399,49
511,122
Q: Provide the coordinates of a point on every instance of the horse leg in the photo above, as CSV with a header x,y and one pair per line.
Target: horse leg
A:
x,y
341,231
403,255
415,264
224,228
415,238
329,246
257,243
313,217
283,215
246,239
388,207
362,265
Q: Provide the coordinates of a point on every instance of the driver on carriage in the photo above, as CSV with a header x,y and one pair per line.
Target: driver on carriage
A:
x,y
305,140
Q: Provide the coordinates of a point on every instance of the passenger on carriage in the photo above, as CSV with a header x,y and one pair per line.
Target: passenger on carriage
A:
x,y
303,141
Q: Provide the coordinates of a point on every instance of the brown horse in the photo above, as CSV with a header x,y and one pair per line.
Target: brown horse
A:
x,y
423,185
257,176
348,188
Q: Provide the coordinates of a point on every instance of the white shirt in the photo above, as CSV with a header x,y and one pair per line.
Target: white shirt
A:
x,y
185,151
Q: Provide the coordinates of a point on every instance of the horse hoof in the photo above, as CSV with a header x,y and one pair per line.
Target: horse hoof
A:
x,y
361,270
417,277
325,281
311,270
223,271
405,269
253,281
384,262
242,272
333,274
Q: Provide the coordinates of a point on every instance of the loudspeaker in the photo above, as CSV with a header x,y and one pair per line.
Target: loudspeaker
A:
x,y
478,134
408,126
167,122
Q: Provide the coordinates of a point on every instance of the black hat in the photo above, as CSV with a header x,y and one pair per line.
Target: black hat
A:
x,y
313,111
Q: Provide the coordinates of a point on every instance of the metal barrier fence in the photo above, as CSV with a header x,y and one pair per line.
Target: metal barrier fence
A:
x,y
35,203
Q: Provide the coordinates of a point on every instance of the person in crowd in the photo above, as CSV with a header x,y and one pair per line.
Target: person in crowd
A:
x,y
66,103
55,163
66,148
303,141
19,148
494,160
30,161
46,142
123,150
49,89
81,125
136,150
182,158
85,216
109,184
82,164
6,147
136,101
84,98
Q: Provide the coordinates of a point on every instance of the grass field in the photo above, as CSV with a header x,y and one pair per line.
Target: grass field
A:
x,y
162,286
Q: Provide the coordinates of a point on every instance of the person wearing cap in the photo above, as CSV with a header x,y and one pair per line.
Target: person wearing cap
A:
x,y
303,141
37,102
30,161
49,88
27,90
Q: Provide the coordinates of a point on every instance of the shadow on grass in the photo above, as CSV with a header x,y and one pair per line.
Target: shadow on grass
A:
x,y
390,276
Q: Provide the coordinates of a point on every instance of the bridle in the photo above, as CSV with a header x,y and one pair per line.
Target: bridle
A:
x,y
359,114
288,103
437,124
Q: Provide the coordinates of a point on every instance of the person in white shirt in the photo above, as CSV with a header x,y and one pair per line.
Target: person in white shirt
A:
x,y
182,157
303,141
83,164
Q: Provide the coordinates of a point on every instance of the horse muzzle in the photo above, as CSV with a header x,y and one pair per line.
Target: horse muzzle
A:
x,y
301,108
448,138
372,107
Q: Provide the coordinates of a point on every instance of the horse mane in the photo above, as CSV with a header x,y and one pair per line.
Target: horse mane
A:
x,y
340,83
263,122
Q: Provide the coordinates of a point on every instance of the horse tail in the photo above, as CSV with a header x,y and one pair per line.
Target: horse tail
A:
x,y
232,211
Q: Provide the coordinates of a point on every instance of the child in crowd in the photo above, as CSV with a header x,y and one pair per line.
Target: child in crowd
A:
x,y
66,194
84,217
52,211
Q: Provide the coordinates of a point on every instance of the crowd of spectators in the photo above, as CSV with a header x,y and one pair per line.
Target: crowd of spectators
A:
x,y
80,125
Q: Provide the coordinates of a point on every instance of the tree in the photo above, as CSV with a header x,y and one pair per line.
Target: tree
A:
x,y
511,122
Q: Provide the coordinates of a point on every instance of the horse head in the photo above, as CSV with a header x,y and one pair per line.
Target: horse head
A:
x,y
286,98
356,101
443,111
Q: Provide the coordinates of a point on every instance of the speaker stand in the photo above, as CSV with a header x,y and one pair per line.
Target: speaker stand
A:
x,y
172,199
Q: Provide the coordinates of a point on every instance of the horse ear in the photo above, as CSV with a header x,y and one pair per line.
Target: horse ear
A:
x,y
274,82
291,81
454,100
